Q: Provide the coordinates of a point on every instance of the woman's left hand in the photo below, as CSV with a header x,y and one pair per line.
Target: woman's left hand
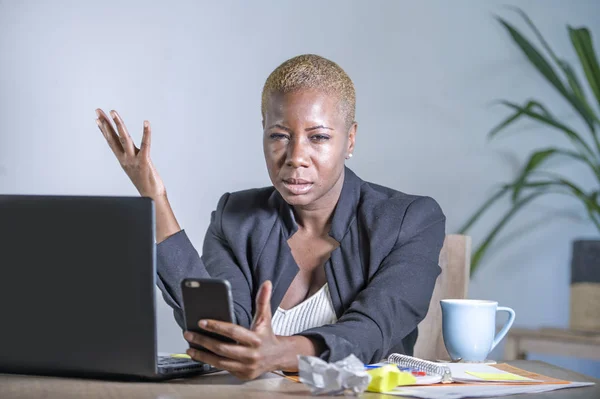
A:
x,y
258,350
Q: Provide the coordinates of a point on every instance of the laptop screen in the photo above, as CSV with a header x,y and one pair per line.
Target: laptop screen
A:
x,y
77,281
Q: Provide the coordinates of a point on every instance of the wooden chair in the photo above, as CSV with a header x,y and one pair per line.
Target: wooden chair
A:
x,y
452,283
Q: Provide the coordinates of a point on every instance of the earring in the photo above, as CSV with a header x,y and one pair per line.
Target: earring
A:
x,y
349,156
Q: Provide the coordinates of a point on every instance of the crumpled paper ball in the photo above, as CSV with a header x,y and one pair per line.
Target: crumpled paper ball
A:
x,y
333,378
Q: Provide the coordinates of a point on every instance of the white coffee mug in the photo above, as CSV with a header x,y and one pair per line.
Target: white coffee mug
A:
x,y
469,328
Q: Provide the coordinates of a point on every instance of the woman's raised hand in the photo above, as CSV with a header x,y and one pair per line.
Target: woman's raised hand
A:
x,y
135,161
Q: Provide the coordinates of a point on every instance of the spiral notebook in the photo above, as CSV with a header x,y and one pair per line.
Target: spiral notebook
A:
x,y
475,380
476,373
463,373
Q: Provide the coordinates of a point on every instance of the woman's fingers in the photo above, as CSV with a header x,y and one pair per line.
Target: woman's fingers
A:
x,y
135,162
124,136
217,361
224,349
109,133
145,146
111,138
233,331
242,370
122,143
262,317
107,127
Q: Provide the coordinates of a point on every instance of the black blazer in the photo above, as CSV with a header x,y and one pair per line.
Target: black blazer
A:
x,y
381,277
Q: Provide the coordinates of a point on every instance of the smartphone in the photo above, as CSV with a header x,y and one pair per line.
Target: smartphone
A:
x,y
206,298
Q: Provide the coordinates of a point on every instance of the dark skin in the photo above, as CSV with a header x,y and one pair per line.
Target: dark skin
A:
x,y
305,141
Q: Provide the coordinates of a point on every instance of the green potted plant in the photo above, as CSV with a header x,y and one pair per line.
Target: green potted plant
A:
x,y
536,179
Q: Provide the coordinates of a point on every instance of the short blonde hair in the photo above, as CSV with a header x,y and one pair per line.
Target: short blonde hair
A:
x,y
310,71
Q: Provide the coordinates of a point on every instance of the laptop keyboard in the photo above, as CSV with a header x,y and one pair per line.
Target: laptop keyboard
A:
x,y
170,360
169,364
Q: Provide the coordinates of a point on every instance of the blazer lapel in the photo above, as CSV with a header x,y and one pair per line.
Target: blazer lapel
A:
x,y
345,260
276,262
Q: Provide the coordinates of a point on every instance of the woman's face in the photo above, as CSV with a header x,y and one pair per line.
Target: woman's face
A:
x,y
305,142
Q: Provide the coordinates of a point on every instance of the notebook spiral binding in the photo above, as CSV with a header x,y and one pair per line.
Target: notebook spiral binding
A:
x,y
420,364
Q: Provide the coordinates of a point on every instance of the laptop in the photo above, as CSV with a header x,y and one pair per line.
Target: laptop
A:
x,y
77,289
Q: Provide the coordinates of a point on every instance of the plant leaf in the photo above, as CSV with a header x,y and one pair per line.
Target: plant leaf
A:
x,y
576,87
594,197
540,156
482,209
588,200
546,69
582,41
476,258
534,161
577,97
535,57
579,94
595,216
530,105
572,89
553,122
521,182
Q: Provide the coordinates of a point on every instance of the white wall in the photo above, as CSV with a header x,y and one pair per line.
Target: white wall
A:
x,y
425,74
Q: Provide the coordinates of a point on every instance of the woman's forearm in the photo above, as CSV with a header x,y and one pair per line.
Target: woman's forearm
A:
x,y
166,223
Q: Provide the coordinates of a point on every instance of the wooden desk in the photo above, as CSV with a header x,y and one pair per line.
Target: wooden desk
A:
x,y
226,386
520,341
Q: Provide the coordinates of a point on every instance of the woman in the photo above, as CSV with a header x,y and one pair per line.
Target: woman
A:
x,y
347,266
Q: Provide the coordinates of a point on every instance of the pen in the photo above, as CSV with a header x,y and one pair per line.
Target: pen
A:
x,y
415,372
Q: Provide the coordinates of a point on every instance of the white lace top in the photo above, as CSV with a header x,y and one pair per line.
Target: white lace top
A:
x,y
315,311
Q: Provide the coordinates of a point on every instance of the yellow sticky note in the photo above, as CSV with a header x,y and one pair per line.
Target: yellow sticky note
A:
x,y
180,356
388,377
497,376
